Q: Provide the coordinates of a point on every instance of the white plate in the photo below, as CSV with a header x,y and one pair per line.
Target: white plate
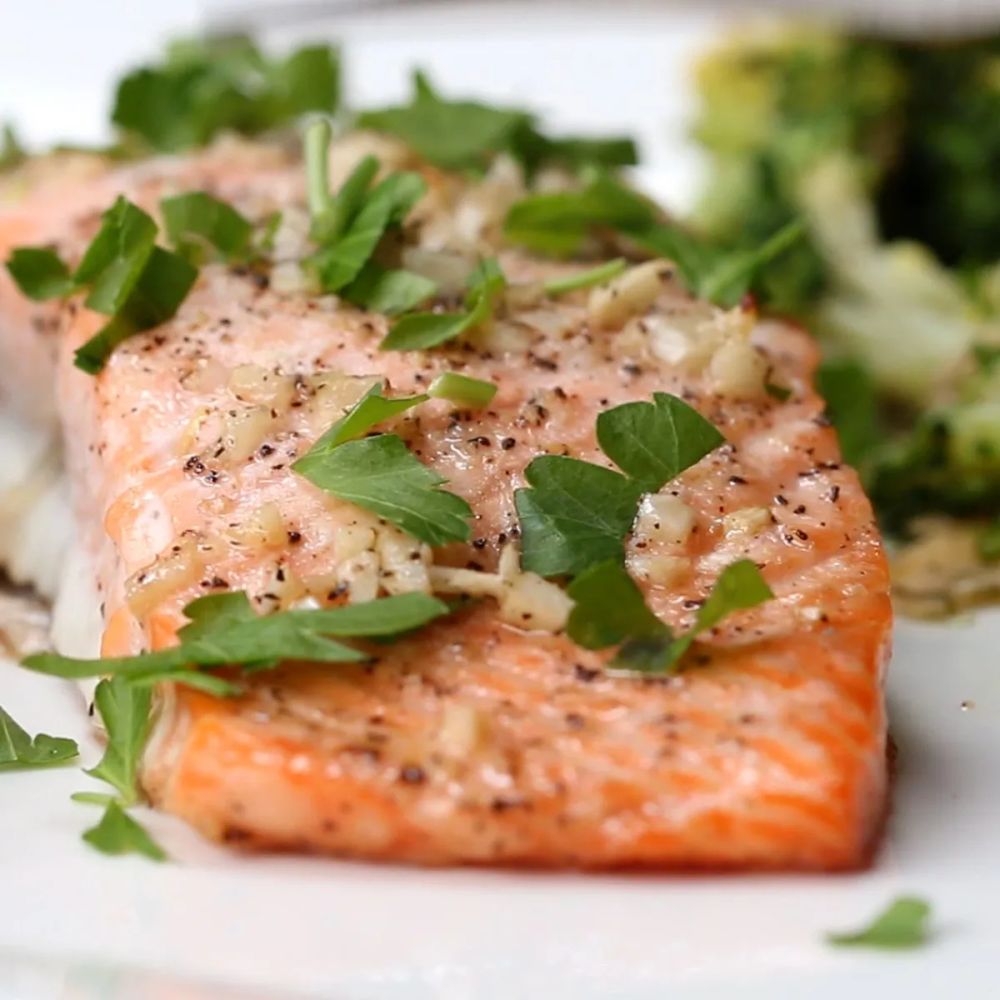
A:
x,y
76,924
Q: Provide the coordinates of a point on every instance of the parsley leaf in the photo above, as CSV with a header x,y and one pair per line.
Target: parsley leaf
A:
x,y
388,290
162,285
18,749
450,134
559,223
196,221
380,474
371,409
224,631
610,610
655,442
40,273
467,134
575,514
138,284
117,833
904,924
722,275
125,712
203,87
739,587
535,150
419,331
851,403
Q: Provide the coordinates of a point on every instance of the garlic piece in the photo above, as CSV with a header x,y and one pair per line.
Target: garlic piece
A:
x,y
361,576
462,729
737,369
353,539
630,294
244,432
176,569
263,529
747,521
403,562
254,384
661,570
663,518
331,393
530,602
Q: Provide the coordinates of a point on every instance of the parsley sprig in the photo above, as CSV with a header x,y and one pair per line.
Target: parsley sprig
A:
x,y
575,516
125,710
610,611
223,630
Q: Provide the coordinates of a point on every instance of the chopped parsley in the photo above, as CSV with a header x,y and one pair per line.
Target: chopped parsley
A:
x,y
18,749
904,924
349,226
575,516
421,330
125,712
127,276
118,833
206,86
224,631
576,513
610,610
199,225
561,224
382,475
655,442
466,135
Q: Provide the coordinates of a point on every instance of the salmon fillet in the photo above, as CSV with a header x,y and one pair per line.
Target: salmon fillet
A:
x,y
474,741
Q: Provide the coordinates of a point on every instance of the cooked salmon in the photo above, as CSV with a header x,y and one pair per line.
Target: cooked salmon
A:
x,y
486,738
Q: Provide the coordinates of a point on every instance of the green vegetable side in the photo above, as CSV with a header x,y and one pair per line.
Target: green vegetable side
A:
x,y
891,153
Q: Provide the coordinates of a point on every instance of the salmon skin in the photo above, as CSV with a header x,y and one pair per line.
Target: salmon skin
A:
x,y
482,739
